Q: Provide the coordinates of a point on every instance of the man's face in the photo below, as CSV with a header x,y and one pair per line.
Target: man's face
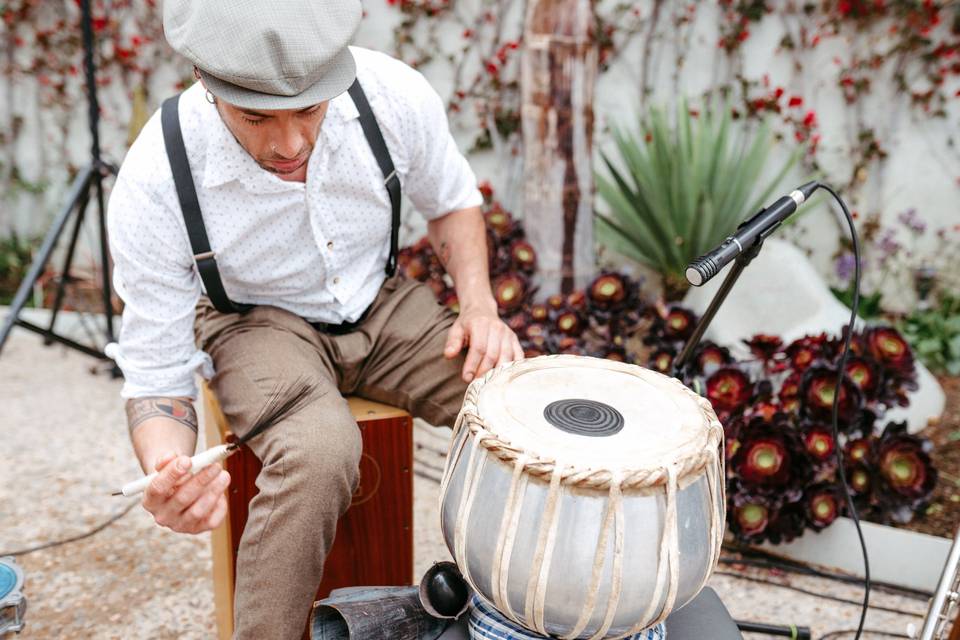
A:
x,y
279,140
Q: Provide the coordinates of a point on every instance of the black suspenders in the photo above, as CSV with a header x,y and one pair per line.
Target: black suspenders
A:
x,y
193,218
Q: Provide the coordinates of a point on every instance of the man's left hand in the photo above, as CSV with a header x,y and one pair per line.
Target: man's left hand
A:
x,y
490,342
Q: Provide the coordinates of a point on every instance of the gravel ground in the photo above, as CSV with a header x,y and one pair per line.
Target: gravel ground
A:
x,y
65,448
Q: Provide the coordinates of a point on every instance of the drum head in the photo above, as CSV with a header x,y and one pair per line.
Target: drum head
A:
x,y
593,413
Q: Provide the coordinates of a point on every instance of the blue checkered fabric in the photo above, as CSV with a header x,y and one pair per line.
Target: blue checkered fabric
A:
x,y
486,623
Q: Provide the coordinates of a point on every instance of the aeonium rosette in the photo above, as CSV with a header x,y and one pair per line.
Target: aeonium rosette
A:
x,y
523,257
710,357
771,459
728,390
905,475
788,524
805,351
863,373
820,445
610,291
818,388
823,503
763,346
895,358
678,324
509,291
750,514
662,360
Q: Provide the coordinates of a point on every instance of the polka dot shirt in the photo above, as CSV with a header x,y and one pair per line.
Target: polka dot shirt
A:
x,y
317,249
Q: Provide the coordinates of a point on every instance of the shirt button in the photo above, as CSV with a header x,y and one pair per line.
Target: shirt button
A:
x,y
330,245
336,280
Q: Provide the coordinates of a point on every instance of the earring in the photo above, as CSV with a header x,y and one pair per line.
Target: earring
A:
x,y
210,97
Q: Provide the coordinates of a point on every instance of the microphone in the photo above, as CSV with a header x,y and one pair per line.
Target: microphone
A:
x,y
749,232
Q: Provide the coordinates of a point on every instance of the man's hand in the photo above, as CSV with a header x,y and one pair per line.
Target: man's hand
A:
x,y
184,502
490,342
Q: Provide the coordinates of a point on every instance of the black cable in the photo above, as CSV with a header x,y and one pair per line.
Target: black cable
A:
x,y
765,561
835,414
56,543
877,632
816,594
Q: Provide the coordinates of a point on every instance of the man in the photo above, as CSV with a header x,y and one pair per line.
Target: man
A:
x,y
273,186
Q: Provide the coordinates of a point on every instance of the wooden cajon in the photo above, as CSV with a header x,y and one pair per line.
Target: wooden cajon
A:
x,y
374,541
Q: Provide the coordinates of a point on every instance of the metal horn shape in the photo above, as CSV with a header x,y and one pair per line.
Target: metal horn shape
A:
x,y
443,591
362,613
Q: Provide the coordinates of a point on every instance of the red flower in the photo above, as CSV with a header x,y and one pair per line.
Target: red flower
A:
x,y
810,119
795,101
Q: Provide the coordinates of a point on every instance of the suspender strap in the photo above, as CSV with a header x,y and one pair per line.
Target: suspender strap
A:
x,y
390,180
190,207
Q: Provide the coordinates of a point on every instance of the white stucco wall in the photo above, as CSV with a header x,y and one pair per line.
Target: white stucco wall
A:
x,y
922,170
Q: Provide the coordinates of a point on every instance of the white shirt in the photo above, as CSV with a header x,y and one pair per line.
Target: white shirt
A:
x,y
317,249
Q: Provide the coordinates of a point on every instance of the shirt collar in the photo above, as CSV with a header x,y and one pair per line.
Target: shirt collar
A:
x,y
222,145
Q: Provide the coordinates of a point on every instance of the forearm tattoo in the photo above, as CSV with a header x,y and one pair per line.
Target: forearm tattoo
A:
x,y
141,409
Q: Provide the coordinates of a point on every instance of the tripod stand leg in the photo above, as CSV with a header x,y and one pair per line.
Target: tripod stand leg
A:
x,y
80,185
104,259
65,276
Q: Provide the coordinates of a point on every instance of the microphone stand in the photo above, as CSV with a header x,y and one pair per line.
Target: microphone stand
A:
x,y
739,264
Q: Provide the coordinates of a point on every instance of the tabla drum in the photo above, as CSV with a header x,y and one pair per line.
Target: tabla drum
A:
x,y
584,498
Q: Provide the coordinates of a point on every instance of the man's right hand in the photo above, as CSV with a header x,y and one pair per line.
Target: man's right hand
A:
x,y
184,502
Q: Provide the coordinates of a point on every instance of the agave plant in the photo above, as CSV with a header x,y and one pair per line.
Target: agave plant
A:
x,y
673,192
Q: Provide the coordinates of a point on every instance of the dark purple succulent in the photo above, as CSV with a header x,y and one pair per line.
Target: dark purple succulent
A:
x,y
823,503
750,514
608,291
863,373
539,312
500,221
523,257
890,349
790,392
807,350
710,357
728,390
662,360
764,347
771,459
906,476
858,451
679,324
556,302
788,524
509,290
819,444
817,391
569,323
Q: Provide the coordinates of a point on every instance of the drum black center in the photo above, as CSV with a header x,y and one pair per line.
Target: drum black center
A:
x,y
584,417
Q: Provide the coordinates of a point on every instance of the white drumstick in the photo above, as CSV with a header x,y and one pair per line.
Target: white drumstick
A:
x,y
198,462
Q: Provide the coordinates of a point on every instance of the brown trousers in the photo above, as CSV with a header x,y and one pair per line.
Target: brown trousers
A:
x,y
310,461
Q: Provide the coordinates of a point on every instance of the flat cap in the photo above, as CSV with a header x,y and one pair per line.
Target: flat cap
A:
x,y
285,54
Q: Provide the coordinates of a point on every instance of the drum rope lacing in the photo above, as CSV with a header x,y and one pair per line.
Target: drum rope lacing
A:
x,y
614,482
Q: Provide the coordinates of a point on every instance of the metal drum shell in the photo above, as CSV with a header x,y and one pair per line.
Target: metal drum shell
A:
x,y
581,512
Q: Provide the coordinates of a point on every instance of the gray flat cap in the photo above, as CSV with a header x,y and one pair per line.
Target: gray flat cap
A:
x,y
285,54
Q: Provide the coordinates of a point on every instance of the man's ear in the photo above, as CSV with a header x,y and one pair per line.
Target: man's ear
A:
x,y
196,74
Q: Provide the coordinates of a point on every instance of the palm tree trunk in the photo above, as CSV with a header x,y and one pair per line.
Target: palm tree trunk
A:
x,y
559,69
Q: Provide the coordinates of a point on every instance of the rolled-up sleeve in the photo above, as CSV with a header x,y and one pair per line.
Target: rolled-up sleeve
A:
x,y
440,179
153,274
